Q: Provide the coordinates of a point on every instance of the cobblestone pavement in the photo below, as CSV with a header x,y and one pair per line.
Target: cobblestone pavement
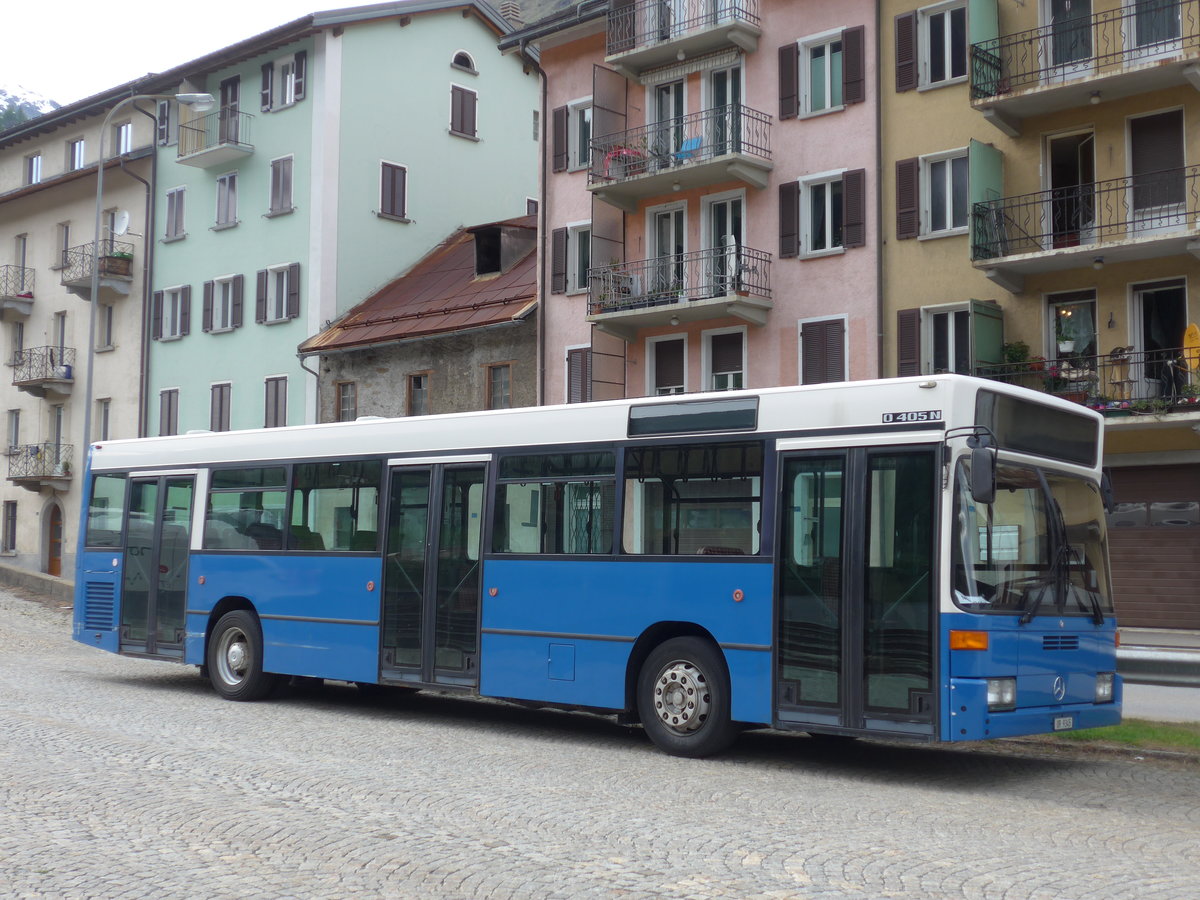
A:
x,y
124,778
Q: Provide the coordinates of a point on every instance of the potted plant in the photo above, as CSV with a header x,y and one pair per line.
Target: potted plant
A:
x,y
118,262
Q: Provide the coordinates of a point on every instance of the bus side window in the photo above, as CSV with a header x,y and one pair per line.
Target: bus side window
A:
x,y
106,511
335,506
555,503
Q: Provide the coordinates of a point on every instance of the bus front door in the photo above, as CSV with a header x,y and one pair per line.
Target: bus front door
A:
x,y
856,591
431,579
154,586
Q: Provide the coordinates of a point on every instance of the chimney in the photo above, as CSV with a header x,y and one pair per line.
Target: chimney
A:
x,y
511,10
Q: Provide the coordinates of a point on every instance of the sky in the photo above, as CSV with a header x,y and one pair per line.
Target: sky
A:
x,y
71,49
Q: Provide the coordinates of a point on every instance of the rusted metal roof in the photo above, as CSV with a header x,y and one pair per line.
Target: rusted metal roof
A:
x,y
440,295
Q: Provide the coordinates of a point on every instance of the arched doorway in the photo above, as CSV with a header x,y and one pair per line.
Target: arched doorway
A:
x,y
54,540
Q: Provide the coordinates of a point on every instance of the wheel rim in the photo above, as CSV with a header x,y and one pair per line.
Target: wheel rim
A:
x,y
233,656
681,697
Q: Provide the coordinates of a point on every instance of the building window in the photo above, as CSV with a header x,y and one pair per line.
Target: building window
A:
x,y
164,124
667,365
218,415
175,227
581,135
64,244
171,313
499,386
103,417
168,411
463,107
223,303
123,138
281,186
8,543
418,394
1072,316
275,404
462,60
726,360
283,81
821,77
278,294
579,374
14,430
18,342
347,401
75,153
944,43
33,168
823,351
227,200
822,208
104,340
944,201
393,191
579,257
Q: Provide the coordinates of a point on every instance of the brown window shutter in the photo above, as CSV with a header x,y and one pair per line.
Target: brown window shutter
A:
x,y
579,375
854,208
301,70
789,81
394,185
264,97
206,318
470,106
908,342
854,75
668,363
906,51
560,140
293,291
185,310
558,261
789,219
908,198
156,306
726,352
236,314
823,346
260,297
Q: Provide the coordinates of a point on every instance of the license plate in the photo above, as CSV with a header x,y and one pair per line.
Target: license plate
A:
x,y
1064,723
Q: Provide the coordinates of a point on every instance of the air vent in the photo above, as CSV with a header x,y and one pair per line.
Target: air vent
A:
x,y
99,602
1060,642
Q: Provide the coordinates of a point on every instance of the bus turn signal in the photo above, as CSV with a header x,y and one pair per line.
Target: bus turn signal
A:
x,y
968,640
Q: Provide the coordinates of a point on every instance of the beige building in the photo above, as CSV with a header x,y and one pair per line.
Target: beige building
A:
x,y
1049,238
47,230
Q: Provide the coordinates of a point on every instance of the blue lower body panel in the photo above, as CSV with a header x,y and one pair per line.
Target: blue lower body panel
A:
x,y
970,719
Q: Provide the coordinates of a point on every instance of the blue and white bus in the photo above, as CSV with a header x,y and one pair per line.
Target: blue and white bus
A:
x,y
917,558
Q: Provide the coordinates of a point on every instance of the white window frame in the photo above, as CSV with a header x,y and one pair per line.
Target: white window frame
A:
x,y
652,233
577,282
652,360
287,204
222,303
107,325
807,183
174,222
172,309
103,414
283,83
706,337
63,236
123,137
339,399
924,15
576,157
807,45
14,431
267,381
76,154
800,323
455,64
926,181
402,215
33,168
227,201
277,292
471,136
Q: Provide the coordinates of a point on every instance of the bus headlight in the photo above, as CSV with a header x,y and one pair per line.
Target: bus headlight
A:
x,y
1104,687
1002,693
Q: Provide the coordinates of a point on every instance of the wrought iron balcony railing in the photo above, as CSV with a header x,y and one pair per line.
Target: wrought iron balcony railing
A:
x,y
34,365
1080,45
116,258
216,129
16,281
45,460
685,140
679,279
644,23
1121,209
1125,379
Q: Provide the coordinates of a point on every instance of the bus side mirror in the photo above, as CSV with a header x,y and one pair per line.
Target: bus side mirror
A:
x,y
983,475
1106,492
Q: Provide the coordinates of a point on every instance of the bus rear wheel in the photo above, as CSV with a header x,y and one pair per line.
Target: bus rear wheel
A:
x,y
234,658
683,698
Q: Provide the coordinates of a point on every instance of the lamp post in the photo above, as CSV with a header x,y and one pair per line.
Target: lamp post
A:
x,y
199,102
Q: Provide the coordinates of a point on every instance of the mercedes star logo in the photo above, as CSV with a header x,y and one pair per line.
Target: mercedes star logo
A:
x,y
1060,688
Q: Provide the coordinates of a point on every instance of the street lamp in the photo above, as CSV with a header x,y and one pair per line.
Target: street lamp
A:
x,y
198,102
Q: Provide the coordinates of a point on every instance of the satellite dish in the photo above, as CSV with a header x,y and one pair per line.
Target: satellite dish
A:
x,y
121,221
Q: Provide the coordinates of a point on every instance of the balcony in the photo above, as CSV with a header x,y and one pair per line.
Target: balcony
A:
x,y
16,289
728,143
1126,382
646,33
215,139
1136,217
34,466
116,267
45,370
688,287
1116,53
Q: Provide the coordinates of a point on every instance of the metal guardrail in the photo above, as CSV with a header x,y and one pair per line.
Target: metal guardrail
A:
x,y
1101,44
1134,206
645,23
1159,665
694,138
16,281
37,364
116,258
678,278
225,126
44,460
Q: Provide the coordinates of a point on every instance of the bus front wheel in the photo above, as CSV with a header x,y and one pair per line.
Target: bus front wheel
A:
x,y
235,658
683,698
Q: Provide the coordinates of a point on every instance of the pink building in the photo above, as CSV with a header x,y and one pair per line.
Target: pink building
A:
x,y
710,175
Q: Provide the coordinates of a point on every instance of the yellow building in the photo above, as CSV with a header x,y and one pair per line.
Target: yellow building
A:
x,y
1049,238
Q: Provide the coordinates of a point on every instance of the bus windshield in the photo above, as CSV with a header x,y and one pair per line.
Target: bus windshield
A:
x,y
1038,549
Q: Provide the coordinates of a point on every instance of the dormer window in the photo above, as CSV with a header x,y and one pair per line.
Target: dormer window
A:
x,y
487,251
462,60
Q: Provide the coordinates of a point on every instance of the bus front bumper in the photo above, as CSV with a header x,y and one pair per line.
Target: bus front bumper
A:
x,y
970,719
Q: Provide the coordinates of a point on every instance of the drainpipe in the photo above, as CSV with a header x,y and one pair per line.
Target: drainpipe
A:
x,y
541,281
147,268
879,242
315,375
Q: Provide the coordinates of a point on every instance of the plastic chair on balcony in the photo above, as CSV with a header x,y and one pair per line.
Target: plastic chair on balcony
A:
x,y
688,150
